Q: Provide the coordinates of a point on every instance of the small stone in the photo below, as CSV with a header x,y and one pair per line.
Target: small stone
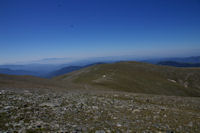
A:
x,y
57,125
114,118
95,117
135,110
47,104
171,80
6,124
8,107
190,124
74,125
155,117
95,107
119,125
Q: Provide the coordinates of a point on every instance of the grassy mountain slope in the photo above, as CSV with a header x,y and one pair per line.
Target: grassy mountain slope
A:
x,y
13,81
138,78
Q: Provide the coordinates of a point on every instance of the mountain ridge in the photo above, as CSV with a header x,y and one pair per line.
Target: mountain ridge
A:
x,y
178,64
68,69
138,77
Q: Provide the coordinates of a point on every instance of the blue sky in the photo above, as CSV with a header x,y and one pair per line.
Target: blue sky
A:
x,y
37,29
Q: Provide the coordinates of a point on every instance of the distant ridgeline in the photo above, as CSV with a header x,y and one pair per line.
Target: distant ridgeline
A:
x,y
178,64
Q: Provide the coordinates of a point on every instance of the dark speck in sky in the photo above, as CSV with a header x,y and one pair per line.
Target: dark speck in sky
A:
x,y
72,26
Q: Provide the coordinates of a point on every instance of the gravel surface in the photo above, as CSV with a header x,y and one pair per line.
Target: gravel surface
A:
x,y
98,112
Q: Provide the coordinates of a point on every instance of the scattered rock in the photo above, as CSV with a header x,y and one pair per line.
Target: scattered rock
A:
x,y
95,107
171,80
103,76
190,124
119,125
97,112
135,110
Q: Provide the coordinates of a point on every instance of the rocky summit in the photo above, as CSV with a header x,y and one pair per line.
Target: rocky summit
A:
x,y
82,111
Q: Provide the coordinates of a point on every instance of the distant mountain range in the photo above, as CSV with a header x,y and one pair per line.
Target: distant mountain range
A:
x,y
42,68
68,69
40,73
38,68
193,59
178,64
51,70
17,72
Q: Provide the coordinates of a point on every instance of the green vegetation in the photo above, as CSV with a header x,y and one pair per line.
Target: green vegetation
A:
x,y
138,78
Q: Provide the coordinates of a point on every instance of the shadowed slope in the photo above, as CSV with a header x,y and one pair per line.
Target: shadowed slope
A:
x,y
13,81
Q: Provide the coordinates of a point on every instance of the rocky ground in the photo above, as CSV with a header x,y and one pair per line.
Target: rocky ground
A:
x,y
98,112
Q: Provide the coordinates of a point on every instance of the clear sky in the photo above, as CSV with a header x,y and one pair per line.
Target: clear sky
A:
x,y
36,29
